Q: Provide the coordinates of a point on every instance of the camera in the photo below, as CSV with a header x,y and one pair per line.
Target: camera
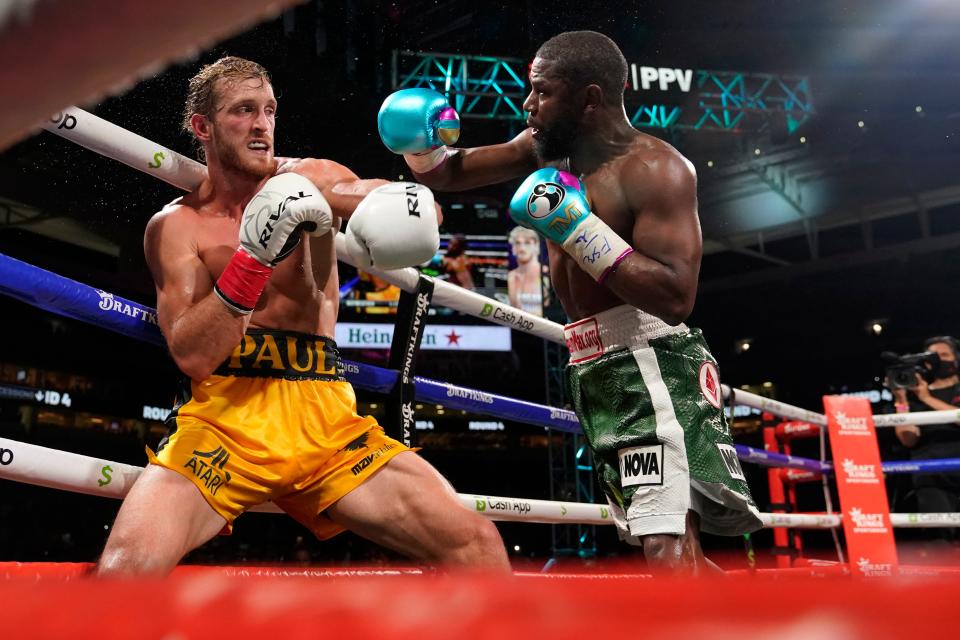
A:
x,y
902,371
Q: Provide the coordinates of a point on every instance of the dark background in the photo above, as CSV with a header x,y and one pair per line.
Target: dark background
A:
x,y
878,245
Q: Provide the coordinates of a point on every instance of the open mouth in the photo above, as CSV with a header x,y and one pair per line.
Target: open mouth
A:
x,y
260,148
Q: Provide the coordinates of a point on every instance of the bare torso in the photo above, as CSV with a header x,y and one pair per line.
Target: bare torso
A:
x,y
302,293
580,294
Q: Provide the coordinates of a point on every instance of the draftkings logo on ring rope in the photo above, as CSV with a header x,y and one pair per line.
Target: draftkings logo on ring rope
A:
x,y
109,303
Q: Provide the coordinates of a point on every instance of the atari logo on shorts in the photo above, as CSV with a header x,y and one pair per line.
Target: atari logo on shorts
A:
x,y
207,466
641,466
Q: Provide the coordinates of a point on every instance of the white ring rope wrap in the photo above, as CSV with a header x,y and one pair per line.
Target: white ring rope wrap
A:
x,y
103,137
57,53
36,465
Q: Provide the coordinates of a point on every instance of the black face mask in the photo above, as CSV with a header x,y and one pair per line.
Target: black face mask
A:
x,y
946,369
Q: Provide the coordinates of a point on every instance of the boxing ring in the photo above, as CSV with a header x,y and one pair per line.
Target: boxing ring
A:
x,y
71,472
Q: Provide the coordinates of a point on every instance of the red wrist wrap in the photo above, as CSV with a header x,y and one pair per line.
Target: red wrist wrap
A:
x,y
241,283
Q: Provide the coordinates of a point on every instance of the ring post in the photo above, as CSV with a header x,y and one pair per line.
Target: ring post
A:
x,y
407,335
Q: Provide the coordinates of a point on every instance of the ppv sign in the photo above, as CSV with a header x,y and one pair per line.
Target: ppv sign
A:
x,y
646,78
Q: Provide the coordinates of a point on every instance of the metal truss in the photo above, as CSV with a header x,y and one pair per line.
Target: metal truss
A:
x,y
477,86
733,101
571,466
494,88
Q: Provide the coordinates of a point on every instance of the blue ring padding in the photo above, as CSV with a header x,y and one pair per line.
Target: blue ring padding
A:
x,y
943,465
348,286
66,297
771,459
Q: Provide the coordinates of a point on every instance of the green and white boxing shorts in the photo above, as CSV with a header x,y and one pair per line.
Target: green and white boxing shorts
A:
x,y
648,398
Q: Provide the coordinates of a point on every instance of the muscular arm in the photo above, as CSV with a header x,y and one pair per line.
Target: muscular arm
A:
x,y
660,276
200,330
481,166
342,188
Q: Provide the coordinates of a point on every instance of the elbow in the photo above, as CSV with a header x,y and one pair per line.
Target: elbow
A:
x,y
677,310
195,366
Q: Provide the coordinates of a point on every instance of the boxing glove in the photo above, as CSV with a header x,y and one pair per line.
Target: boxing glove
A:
x,y
554,203
394,226
418,123
271,228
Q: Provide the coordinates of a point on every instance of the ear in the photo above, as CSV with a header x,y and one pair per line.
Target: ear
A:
x,y
593,98
200,126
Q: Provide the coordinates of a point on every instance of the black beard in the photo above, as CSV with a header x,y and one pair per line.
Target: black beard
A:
x,y
556,143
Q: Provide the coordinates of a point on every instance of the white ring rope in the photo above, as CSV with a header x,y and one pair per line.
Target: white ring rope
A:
x,y
57,53
40,466
784,410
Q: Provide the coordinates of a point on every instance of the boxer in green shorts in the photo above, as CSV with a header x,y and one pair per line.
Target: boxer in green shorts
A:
x,y
618,209
649,401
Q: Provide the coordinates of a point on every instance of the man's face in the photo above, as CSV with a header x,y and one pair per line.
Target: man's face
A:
x,y
242,125
526,248
553,115
943,350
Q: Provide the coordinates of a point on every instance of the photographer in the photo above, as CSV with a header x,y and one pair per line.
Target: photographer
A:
x,y
936,388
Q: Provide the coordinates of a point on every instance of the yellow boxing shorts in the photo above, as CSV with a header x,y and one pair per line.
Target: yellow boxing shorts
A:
x,y
276,421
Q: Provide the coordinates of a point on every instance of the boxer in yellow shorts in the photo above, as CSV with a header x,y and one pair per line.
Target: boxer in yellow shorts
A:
x,y
247,286
276,422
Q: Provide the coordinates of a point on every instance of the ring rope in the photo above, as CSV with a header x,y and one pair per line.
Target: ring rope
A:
x,y
61,295
55,469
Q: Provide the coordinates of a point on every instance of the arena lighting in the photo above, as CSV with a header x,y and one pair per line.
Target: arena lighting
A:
x,y
742,346
861,124
756,151
803,139
877,326
918,109
709,163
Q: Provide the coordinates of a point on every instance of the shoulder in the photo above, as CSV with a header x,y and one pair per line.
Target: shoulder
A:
x,y
654,170
323,173
176,217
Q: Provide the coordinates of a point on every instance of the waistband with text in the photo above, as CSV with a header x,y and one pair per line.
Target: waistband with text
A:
x,y
290,355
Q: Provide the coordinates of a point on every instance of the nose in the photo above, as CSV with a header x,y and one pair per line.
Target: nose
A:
x,y
530,103
262,122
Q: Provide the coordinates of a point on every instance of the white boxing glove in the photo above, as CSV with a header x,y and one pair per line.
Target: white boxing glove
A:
x,y
395,226
272,221
271,228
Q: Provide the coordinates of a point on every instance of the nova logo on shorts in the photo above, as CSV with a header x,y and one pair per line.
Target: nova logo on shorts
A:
x,y
208,465
367,460
583,340
731,461
641,465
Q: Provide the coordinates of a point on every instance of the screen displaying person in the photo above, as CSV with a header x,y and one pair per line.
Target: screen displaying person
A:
x,y
525,282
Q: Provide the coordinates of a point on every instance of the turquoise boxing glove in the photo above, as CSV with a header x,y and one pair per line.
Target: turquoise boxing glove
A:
x,y
418,123
554,203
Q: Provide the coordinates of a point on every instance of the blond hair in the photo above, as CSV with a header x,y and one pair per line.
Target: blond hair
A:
x,y
518,231
202,94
